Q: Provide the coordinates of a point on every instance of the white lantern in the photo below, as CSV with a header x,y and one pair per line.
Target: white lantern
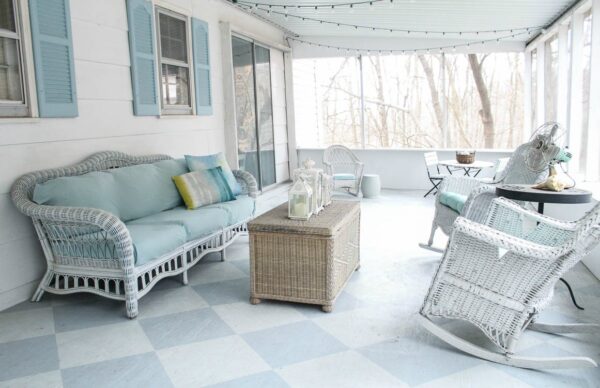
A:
x,y
300,199
314,178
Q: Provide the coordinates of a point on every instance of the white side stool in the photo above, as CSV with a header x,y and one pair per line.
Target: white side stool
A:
x,y
371,185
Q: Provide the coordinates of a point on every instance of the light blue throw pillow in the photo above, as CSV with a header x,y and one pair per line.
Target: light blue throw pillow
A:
x,y
206,162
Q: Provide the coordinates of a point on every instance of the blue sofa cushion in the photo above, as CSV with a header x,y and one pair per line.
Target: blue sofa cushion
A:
x,y
452,200
196,223
239,210
95,189
128,193
151,241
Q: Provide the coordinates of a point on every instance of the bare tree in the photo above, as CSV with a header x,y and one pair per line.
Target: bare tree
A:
x,y
435,95
486,109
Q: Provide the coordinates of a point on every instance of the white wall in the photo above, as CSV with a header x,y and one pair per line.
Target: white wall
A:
x,y
105,121
402,169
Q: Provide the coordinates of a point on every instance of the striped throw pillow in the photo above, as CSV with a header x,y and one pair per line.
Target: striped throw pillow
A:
x,y
205,187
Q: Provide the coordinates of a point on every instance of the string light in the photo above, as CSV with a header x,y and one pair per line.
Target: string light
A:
x,y
288,15
316,6
428,50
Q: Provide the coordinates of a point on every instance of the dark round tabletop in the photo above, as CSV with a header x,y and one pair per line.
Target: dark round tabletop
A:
x,y
527,193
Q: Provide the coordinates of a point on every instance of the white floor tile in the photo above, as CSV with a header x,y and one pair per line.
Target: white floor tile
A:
x,y
244,317
80,347
211,362
173,300
347,369
26,324
477,377
205,273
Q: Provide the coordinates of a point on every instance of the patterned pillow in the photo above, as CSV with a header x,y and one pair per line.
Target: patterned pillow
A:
x,y
197,163
200,188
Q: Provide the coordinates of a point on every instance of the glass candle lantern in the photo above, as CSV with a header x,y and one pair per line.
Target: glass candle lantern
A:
x,y
326,189
314,178
300,200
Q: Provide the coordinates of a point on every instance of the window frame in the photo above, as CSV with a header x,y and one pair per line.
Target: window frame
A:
x,y
168,109
12,109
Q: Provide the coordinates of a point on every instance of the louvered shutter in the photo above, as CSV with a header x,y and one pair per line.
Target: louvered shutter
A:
x,y
143,59
202,67
53,57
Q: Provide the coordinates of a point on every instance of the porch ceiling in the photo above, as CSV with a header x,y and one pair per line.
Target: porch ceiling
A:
x,y
432,15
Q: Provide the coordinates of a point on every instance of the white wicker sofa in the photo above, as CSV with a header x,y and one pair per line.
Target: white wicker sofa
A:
x,y
93,250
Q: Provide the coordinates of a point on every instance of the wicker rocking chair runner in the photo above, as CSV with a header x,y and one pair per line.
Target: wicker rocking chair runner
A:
x,y
304,261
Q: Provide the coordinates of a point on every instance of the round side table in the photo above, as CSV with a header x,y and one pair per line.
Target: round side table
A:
x,y
371,186
529,194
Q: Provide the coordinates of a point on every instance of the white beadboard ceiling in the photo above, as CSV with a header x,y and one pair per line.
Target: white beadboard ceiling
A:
x,y
433,15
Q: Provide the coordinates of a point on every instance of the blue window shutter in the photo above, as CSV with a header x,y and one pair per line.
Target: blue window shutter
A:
x,y
202,67
143,59
53,57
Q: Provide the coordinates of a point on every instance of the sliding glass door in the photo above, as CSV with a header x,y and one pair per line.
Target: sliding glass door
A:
x,y
254,110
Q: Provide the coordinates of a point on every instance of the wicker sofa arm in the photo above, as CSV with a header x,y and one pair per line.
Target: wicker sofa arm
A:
x,y
247,181
506,241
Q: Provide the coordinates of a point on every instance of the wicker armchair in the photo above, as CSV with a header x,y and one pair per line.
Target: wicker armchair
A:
x,y
479,194
500,275
91,250
345,167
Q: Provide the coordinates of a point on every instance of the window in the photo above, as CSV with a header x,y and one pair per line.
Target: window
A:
x,y
174,60
551,78
534,89
410,101
585,98
13,101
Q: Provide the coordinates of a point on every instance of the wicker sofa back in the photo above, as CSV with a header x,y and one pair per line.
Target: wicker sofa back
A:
x,y
91,250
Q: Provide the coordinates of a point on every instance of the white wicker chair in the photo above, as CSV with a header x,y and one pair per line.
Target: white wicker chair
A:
x,y
502,293
479,195
345,167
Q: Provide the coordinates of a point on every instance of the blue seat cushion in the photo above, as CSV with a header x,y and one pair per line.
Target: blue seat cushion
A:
x,y
196,223
344,177
239,210
151,241
452,200
128,192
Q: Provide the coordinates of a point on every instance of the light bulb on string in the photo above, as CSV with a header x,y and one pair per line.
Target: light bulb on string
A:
x,y
351,8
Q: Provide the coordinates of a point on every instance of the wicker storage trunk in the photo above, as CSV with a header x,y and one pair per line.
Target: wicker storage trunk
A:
x,y
304,261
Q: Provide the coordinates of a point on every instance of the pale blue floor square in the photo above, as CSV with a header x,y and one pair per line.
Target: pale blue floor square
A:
x,y
293,343
96,311
143,370
418,360
28,357
262,380
184,328
229,291
242,265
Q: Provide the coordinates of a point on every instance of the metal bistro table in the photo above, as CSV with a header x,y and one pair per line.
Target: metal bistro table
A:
x,y
529,194
471,169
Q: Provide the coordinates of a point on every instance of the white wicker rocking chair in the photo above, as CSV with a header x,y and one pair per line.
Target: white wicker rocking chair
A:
x,y
345,168
502,293
479,194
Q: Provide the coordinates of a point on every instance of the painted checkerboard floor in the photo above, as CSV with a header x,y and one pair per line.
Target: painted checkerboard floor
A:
x,y
207,333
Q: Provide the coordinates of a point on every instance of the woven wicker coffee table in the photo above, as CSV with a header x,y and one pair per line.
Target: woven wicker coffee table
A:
x,y
304,261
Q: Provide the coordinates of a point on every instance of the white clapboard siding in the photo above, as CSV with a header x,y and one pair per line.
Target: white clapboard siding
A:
x,y
105,121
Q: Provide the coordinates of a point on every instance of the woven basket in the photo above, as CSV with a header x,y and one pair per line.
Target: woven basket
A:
x,y
465,158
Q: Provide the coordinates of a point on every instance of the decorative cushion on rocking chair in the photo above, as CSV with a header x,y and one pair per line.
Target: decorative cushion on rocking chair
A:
x,y
344,177
452,200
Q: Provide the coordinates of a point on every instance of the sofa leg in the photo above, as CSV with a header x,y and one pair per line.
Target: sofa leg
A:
x,y
39,292
131,306
184,278
223,254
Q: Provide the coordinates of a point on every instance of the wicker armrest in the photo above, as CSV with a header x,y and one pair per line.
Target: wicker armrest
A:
x,y
506,241
247,181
